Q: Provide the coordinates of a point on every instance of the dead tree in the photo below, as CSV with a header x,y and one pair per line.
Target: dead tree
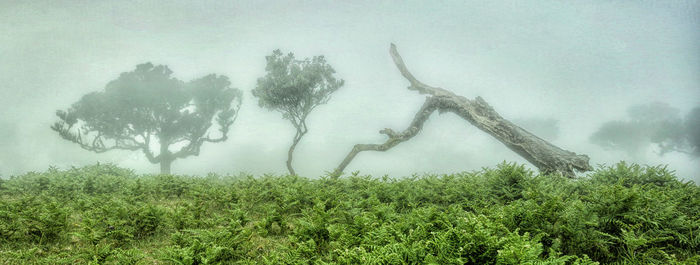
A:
x,y
544,155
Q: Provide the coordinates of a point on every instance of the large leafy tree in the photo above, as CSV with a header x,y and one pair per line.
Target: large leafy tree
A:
x,y
294,88
149,110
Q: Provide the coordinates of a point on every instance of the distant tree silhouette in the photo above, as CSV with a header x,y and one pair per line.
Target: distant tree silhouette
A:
x,y
147,109
655,123
692,128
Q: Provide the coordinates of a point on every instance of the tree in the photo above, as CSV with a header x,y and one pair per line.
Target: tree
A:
x,y
692,128
621,135
655,123
147,109
295,88
547,157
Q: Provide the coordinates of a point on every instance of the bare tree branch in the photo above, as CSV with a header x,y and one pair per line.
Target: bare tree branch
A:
x,y
394,138
544,155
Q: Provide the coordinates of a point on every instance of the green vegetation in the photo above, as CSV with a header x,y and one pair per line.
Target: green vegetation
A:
x,y
622,214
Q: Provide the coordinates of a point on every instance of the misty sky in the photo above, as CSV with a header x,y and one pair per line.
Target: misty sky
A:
x,y
581,63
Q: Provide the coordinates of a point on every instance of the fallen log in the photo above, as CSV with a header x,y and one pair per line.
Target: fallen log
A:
x,y
548,158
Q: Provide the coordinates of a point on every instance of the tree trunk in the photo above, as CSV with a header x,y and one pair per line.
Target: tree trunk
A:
x,y
544,155
165,166
166,157
290,153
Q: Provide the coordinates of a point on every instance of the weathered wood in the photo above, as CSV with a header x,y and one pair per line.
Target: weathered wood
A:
x,y
547,157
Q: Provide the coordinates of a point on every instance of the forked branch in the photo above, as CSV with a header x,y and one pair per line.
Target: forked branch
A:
x,y
547,157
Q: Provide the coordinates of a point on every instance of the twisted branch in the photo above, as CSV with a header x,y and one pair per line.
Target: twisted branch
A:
x,y
547,157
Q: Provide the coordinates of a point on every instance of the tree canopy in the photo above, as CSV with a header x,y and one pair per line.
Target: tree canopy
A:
x,y
656,124
147,109
692,127
294,88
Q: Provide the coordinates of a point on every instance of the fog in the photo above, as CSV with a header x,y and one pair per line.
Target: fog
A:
x,y
560,69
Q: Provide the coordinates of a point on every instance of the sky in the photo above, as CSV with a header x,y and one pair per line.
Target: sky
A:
x,y
579,63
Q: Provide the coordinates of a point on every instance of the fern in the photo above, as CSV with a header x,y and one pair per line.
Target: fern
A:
x,y
619,214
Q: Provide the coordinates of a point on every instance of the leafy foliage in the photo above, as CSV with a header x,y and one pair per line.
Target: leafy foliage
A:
x,y
294,88
148,105
619,214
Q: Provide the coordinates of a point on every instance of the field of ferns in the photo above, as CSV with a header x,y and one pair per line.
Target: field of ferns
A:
x,y
103,214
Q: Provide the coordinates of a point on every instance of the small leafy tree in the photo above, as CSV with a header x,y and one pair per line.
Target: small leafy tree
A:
x,y
147,109
294,88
